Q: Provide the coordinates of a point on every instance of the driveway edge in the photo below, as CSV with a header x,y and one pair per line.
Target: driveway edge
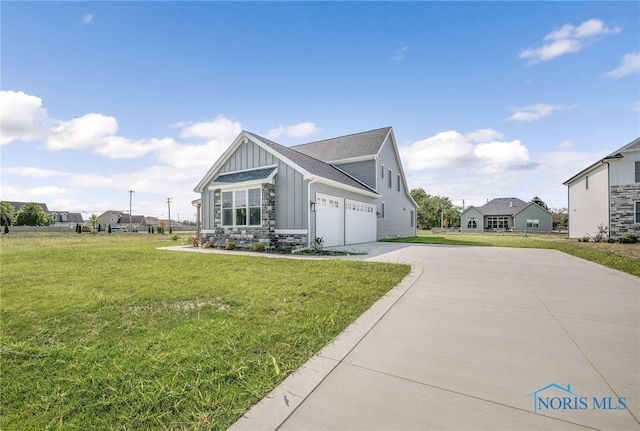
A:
x,y
274,409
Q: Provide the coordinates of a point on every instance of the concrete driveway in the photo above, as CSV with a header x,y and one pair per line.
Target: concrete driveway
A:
x,y
475,338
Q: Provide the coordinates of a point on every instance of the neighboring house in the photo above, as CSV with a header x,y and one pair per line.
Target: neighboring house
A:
x,y
506,214
345,190
109,218
607,193
120,220
66,217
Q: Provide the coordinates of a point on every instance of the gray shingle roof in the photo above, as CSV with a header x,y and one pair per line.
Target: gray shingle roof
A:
x,y
312,165
238,177
503,206
346,147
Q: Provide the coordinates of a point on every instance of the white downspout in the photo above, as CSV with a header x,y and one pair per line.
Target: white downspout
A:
x,y
313,180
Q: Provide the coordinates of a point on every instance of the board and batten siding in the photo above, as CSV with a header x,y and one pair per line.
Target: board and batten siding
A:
x,y
364,171
622,171
291,189
589,206
398,207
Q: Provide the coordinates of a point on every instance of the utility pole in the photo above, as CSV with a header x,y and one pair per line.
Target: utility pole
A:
x,y
169,206
131,192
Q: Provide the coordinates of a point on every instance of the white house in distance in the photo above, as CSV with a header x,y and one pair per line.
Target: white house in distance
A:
x,y
607,193
506,214
345,190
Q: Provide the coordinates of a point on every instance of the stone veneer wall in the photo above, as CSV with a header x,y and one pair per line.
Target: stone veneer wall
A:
x,y
246,236
622,208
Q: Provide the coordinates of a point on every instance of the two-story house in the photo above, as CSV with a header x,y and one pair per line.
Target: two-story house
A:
x,y
607,193
346,190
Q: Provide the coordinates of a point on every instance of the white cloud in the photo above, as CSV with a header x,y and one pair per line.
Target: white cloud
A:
x,y
636,106
566,144
568,39
630,64
32,172
502,153
88,18
299,130
534,112
399,53
86,132
22,117
218,128
452,149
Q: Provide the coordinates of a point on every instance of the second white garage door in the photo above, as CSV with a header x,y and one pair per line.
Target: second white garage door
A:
x,y
360,222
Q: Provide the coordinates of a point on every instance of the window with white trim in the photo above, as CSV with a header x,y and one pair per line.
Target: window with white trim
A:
x,y
472,223
533,222
586,182
381,171
637,172
390,179
497,222
382,211
637,211
242,207
398,182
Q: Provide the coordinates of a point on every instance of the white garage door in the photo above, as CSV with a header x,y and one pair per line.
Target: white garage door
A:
x,y
330,219
360,222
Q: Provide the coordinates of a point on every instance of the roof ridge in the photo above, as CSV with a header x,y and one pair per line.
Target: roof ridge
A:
x,y
342,136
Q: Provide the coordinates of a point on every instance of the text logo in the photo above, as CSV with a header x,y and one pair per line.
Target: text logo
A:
x,y
555,397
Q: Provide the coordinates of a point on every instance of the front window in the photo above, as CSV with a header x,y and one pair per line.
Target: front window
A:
x,y
242,208
390,179
472,223
533,222
637,212
637,172
498,222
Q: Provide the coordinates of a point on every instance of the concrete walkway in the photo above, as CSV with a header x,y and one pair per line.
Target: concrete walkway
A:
x,y
475,338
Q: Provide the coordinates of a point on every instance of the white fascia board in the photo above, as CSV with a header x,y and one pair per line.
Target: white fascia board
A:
x,y
343,186
352,160
240,185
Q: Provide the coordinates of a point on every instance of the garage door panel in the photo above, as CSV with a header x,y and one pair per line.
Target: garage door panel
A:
x,y
330,219
360,222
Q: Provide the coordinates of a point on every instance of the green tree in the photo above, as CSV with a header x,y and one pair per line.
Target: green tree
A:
x,y
435,210
8,213
537,200
32,214
94,221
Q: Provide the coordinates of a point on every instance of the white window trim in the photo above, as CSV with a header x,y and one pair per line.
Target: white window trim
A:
x,y
233,207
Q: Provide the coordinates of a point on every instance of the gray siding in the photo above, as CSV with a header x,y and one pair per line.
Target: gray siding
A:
x,y
467,215
398,204
533,212
364,171
291,192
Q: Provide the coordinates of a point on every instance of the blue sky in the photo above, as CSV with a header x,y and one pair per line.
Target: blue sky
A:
x,y
487,99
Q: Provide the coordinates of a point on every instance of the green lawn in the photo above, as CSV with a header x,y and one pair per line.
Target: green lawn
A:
x,y
623,257
108,332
